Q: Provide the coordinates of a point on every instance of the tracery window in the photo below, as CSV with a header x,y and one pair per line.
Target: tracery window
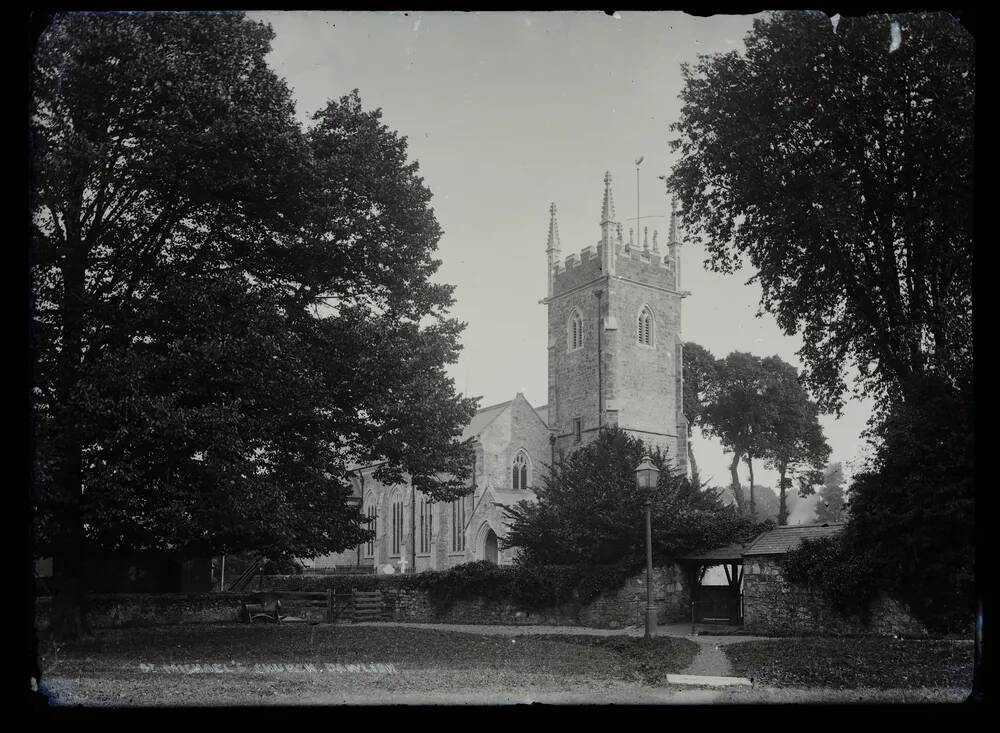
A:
x,y
645,326
397,523
575,330
425,520
458,525
519,471
369,511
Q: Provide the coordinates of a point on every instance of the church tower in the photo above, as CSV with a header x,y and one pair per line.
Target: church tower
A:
x,y
614,313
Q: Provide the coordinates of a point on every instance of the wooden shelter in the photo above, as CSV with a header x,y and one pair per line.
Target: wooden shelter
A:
x,y
716,604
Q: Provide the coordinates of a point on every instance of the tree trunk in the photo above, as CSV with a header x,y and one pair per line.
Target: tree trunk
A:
x,y
734,473
753,507
695,477
782,503
68,618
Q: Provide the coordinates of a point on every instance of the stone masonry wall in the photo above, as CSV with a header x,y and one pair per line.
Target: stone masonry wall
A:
x,y
772,605
625,607
151,609
405,601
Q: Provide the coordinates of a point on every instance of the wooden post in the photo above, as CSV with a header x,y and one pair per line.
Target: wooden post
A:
x,y
694,587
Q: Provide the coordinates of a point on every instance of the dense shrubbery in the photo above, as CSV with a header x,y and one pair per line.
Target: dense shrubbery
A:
x,y
589,511
847,581
532,587
912,516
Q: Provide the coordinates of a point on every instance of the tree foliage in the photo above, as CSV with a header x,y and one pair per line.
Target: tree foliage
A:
x,y
758,410
700,374
229,311
795,444
831,506
841,168
914,508
767,504
837,158
912,518
739,415
589,511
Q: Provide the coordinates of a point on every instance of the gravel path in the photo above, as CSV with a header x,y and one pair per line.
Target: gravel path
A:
x,y
512,630
682,631
711,661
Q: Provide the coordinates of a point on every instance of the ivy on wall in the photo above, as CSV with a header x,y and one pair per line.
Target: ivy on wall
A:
x,y
847,581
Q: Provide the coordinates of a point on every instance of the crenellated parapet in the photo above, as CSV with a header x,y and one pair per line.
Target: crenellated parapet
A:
x,y
639,257
588,264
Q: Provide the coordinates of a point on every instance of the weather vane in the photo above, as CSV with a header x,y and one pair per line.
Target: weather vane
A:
x,y
637,164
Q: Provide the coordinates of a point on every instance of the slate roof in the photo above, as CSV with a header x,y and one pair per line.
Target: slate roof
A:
x,y
782,539
481,420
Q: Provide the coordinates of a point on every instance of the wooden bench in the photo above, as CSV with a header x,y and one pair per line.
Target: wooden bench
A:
x,y
276,606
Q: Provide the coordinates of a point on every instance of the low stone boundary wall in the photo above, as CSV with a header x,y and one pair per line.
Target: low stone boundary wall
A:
x,y
151,609
404,598
774,606
406,601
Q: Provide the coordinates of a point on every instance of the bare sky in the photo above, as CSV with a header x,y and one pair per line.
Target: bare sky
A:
x,y
508,112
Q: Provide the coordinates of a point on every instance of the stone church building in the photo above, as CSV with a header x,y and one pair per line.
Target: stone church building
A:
x,y
614,358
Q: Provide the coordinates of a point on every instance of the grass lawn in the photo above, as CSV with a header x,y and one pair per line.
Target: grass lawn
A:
x,y
126,666
854,663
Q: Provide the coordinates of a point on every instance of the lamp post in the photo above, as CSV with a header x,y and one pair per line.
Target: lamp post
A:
x,y
646,476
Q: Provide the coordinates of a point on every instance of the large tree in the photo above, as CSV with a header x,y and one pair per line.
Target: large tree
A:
x,y
836,157
700,372
839,163
228,312
740,415
795,445
589,510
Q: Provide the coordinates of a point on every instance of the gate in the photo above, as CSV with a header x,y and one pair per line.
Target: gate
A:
x,y
717,604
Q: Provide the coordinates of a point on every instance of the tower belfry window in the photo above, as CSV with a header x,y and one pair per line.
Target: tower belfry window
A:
x,y
575,330
645,327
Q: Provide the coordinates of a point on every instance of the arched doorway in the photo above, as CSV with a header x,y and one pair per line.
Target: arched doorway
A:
x,y
490,547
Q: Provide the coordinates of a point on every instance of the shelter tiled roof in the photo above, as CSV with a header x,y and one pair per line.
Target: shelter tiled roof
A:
x,y
729,552
782,539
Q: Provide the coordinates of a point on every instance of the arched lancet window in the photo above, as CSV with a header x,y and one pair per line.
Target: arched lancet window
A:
x,y
574,330
645,326
425,521
397,522
458,525
520,470
369,511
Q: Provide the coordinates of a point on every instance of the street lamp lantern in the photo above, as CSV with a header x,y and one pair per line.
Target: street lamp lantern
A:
x,y
646,479
646,476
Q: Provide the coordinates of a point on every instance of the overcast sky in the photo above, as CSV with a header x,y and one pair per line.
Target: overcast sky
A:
x,y
508,112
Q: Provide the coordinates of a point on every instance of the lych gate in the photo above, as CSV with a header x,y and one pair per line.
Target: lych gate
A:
x,y
718,604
